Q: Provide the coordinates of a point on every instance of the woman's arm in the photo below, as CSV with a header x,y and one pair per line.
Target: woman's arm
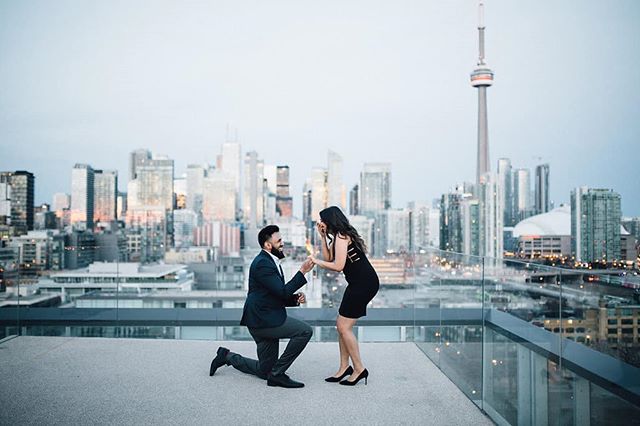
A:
x,y
340,244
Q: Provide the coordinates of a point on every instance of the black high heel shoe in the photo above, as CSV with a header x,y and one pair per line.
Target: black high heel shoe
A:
x,y
361,376
347,372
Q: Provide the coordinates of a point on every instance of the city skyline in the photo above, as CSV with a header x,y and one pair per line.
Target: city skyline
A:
x,y
84,89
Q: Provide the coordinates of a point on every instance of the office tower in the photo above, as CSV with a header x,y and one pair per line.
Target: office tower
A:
x,y
82,196
284,201
61,201
196,174
137,158
219,197
505,174
521,195
481,78
105,195
319,192
336,194
595,224
155,183
354,207
542,189
375,189
150,209
253,204
491,215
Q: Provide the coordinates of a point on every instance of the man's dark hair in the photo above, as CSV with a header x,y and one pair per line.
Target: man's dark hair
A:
x,y
266,233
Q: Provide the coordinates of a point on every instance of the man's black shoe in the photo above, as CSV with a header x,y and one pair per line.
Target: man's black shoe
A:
x,y
219,360
283,381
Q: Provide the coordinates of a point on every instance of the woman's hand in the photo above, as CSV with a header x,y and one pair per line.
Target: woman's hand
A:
x,y
322,229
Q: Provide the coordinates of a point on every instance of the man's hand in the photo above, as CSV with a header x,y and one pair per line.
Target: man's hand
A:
x,y
307,266
301,298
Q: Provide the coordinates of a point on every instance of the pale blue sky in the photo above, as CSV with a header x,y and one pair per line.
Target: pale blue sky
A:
x,y
372,80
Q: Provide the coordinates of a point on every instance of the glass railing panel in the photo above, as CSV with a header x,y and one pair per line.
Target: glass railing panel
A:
x,y
427,306
454,288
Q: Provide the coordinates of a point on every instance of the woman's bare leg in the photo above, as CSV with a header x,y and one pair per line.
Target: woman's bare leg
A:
x,y
344,357
345,329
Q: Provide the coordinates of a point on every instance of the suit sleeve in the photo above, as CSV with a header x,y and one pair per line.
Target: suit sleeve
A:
x,y
270,279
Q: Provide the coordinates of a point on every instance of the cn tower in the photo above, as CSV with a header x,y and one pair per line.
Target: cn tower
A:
x,y
482,77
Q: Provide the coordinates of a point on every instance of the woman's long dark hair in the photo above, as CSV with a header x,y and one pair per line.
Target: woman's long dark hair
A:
x,y
337,223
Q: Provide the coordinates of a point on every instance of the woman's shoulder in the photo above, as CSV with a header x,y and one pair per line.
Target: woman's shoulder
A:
x,y
342,236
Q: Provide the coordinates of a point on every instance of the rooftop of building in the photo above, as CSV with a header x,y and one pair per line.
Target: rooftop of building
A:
x,y
123,269
61,380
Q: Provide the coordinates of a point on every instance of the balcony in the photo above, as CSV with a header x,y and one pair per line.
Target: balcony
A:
x,y
479,329
58,380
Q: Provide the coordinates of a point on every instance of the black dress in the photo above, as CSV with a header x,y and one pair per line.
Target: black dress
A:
x,y
363,284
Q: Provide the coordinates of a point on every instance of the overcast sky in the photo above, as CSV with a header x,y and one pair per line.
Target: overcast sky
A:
x,y
387,80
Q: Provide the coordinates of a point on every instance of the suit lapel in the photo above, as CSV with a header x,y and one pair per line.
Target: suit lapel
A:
x,y
273,262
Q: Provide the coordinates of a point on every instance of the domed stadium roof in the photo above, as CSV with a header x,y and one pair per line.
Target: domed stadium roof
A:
x,y
556,222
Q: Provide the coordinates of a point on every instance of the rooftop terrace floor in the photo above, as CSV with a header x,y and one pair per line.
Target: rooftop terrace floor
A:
x,y
59,380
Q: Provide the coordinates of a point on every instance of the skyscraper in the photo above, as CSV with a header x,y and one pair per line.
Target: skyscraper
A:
x,y
521,194
542,189
137,158
61,201
82,196
595,224
336,194
150,208
253,204
482,77
22,185
492,215
284,201
505,174
451,237
105,195
375,189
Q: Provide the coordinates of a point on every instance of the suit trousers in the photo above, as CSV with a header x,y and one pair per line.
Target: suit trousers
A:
x,y
267,341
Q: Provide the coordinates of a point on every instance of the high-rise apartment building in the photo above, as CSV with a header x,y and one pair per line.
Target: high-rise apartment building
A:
x,y
542,189
22,185
505,175
319,192
595,224
522,195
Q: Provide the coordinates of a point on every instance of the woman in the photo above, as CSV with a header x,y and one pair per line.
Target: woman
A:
x,y
345,252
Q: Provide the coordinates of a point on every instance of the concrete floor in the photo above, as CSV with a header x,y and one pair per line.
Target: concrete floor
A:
x,y
59,380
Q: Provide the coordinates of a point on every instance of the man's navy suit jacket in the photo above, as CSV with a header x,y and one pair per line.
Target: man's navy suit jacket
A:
x,y
268,294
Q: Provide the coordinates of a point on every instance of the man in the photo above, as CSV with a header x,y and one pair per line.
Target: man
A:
x,y
266,317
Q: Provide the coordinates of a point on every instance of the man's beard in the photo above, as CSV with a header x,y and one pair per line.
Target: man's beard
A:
x,y
277,252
